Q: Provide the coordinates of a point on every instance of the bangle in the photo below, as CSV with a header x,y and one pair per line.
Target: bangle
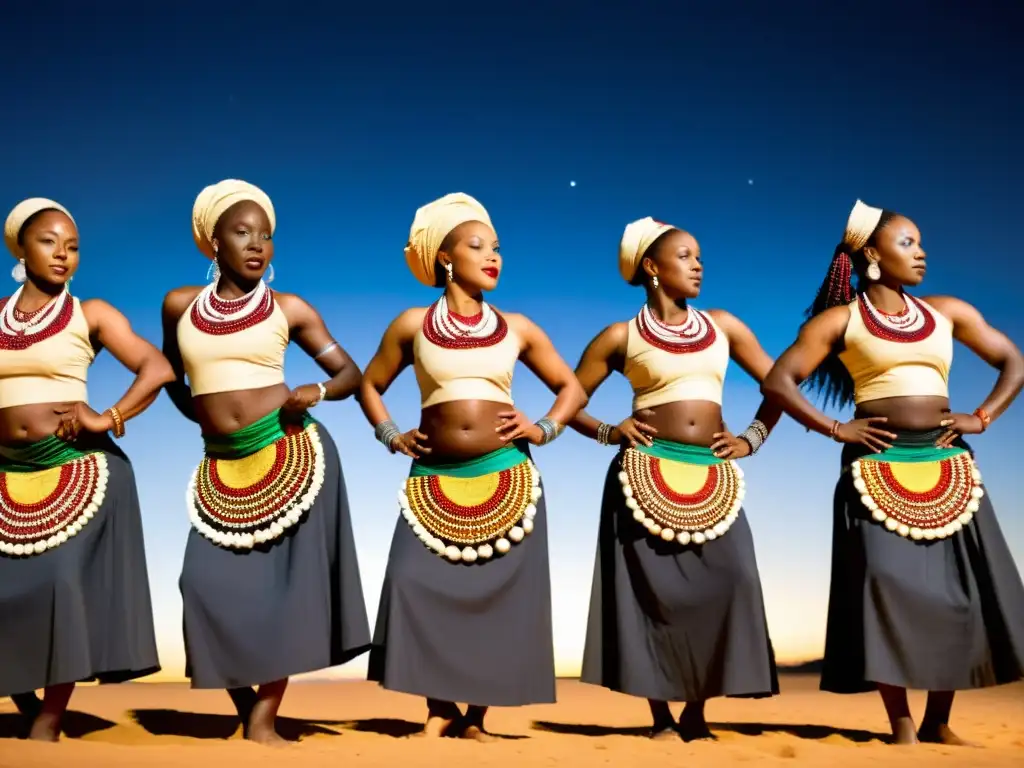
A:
x,y
835,428
604,433
550,428
115,416
323,394
982,414
754,435
325,350
386,432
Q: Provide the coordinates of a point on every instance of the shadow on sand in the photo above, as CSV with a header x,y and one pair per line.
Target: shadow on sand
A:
x,y
75,725
812,732
199,725
403,729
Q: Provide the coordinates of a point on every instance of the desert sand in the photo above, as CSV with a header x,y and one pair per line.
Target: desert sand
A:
x,y
357,723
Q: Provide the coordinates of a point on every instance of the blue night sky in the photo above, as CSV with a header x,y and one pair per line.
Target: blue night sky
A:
x,y
754,129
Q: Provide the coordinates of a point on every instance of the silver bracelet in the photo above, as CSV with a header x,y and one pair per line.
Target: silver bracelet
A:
x,y
604,433
386,432
325,350
550,428
755,435
323,394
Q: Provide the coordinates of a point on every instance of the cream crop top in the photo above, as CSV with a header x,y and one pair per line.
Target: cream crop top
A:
x,y
53,370
251,358
659,376
478,373
882,368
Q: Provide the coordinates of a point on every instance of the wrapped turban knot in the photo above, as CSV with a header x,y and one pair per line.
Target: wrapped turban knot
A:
x,y
214,200
432,224
860,225
22,212
636,239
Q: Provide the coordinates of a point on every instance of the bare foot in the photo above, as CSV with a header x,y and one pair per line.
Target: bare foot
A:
x,y
260,728
434,728
476,733
667,733
45,727
693,727
903,732
941,734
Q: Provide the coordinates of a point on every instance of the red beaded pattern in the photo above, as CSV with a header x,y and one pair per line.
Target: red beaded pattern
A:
x,y
887,331
840,283
57,314
265,497
263,310
57,510
460,339
935,508
693,512
695,335
455,521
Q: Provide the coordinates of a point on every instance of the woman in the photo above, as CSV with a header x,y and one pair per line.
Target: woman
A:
x,y
465,612
676,611
74,590
924,591
270,584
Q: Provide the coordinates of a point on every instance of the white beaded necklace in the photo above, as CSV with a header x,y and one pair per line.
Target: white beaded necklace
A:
x,y
693,330
450,327
239,308
910,320
38,322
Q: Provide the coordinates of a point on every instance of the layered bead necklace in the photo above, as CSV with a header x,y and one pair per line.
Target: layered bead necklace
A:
x,y
447,329
216,316
693,335
914,323
20,330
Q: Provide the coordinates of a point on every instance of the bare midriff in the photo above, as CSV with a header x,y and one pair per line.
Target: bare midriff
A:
x,y
462,429
693,422
221,413
24,424
906,413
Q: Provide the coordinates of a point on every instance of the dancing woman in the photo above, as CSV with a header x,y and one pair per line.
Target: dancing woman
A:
x,y
74,589
924,592
465,611
270,584
676,610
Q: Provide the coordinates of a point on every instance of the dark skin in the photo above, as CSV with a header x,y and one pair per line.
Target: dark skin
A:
x,y
901,259
464,429
50,244
676,261
244,249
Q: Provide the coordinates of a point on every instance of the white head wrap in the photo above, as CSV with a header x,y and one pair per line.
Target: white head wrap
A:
x,y
211,203
638,236
432,224
20,214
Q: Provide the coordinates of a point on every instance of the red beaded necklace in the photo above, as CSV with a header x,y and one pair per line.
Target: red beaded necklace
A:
x,y
914,323
447,329
696,333
216,316
20,330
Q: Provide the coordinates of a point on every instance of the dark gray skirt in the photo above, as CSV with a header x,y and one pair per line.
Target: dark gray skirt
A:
x,y
81,611
941,615
475,634
282,609
675,623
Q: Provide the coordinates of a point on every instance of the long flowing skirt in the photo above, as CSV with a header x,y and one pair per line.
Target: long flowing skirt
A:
x,y
473,632
940,614
80,609
280,607
674,621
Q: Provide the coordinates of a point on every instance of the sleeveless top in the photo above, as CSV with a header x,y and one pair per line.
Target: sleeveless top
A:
x,y
52,369
886,362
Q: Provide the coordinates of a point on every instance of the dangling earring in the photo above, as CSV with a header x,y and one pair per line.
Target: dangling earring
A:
x,y
270,275
654,280
873,272
213,272
18,273
450,271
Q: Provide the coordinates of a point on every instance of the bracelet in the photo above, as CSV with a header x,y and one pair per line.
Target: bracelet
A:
x,y
550,428
604,433
325,350
320,398
982,414
386,432
835,428
755,435
118,420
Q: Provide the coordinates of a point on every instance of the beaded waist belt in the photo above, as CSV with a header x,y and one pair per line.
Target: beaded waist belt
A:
x,y
919,491
49,491
256,483
681,492
467,511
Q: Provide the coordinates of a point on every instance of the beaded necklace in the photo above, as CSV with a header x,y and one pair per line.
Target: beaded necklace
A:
x,y
216,316
693,335
20,330
447,329
913,323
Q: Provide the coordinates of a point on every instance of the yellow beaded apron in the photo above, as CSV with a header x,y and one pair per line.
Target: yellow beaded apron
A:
x,y
919,491
49,491
681,492
255,484
467,511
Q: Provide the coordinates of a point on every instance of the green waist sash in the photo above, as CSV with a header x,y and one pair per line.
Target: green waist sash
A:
x,y
495,461
684,452
248,440
913,454
43,454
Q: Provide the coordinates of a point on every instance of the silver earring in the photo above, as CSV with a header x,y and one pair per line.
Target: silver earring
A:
x,y
270,275
873,272
654,280
18,273
450,271
213,272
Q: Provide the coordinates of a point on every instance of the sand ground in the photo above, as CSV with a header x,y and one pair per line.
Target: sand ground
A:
x,y
356,723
